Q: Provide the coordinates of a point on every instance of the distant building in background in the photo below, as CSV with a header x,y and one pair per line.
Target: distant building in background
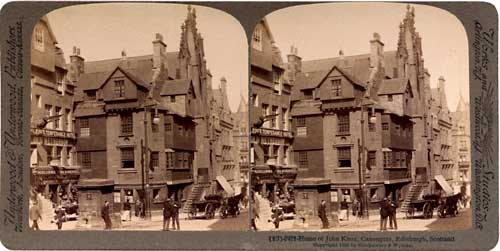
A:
x,y
53,166
226,174
241,135
442,164
270,95
461,147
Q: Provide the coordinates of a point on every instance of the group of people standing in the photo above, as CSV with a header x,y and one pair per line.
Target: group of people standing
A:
x,y
388,211
171,211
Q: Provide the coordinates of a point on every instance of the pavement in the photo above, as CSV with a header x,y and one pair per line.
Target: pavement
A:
x,y
238,223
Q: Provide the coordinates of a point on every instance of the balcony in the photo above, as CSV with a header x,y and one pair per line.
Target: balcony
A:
x,y
179,176
52,133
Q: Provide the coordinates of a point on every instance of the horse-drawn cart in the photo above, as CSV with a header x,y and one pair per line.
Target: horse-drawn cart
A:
x,y
426,205
448,205
205,208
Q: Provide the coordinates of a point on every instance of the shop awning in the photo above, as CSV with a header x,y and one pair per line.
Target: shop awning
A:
x,y
225,185
444,184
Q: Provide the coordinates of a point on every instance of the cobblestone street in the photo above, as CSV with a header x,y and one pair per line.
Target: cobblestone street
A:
x,y
460,222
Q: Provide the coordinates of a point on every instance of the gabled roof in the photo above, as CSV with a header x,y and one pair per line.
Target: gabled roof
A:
x,y
311,80
357,65
393,86
175,87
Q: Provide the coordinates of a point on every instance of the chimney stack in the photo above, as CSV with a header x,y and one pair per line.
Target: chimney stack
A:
x,y
76,65
159,52
223,84
376,51
294,63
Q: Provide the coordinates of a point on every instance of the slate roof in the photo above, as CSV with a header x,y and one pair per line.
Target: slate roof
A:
x,y
359,64
138,68
306,107
393,86
175,87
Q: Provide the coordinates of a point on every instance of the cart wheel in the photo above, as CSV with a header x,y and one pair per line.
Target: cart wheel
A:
x,y
209,214
441,212
427,210
192,214
409,212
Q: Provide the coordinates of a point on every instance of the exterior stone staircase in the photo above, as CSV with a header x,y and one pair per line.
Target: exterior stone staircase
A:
x,y
196,194
413,194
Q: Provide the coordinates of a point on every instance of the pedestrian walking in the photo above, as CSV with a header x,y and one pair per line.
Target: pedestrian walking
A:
x,y
105,215
355,207
167,214
392,214
344,215
254,211
35,215
384,213
137,208
59,215
322,214
175,216
127,211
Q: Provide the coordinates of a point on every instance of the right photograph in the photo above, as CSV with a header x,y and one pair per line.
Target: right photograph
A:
x,y
360,119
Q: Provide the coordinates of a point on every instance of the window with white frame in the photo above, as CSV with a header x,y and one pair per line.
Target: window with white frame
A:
x,y
39,44
257,38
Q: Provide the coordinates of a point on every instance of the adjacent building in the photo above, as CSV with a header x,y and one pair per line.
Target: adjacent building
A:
x,y
53,165
271,136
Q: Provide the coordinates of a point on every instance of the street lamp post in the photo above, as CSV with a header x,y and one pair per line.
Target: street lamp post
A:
x,y
362,162
145,152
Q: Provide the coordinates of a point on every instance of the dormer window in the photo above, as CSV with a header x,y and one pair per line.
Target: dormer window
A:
x,y
257,38
336,88
308,94
119,88
39,45
91,95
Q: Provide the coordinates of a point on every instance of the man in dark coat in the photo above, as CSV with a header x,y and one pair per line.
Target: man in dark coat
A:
x,y
168,211
392,214
105,215
59,216
322,214
384,213
175,216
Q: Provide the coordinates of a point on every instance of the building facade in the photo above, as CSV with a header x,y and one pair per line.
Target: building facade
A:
x,y
271,137
144,122
379,102
53,164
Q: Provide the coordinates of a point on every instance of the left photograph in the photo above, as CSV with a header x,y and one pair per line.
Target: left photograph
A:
x,y
139,119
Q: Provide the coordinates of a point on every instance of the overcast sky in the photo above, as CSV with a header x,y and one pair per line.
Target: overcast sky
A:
x,y
102,31
321,30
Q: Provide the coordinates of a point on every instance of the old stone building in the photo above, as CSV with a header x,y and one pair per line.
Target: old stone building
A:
x,y
376,102
460,148
53,166
271,137
144,121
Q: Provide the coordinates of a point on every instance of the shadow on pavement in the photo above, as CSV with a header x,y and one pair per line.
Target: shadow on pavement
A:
x,y
239,223
460,222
